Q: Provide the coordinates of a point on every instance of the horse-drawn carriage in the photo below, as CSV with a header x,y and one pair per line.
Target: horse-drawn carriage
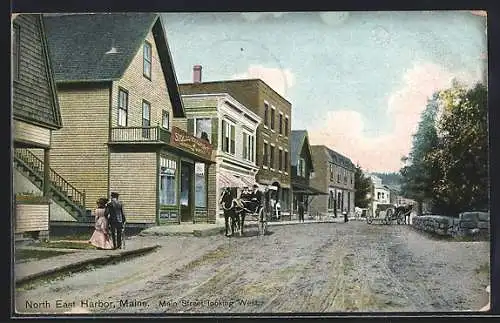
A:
x,y
388,213
248,206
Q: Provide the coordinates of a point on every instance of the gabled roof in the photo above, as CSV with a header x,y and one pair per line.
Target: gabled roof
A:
x,y
79,44
337,158
297,140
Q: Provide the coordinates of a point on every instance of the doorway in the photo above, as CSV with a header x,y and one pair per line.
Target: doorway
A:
x,y
186,198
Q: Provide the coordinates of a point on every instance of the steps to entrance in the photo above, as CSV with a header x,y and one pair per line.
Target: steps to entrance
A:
x,y
61,191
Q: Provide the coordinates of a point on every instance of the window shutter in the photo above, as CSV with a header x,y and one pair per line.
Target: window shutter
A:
x,y
190,126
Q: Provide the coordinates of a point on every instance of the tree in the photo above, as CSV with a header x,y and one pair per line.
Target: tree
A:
x,y
421,173
463,149
362,185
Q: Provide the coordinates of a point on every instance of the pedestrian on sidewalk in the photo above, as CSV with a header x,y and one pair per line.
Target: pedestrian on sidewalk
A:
x,y
301,211
116,218
346,219
101,238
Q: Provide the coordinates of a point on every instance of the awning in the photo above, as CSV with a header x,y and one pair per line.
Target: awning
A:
x,y
306,190
232,180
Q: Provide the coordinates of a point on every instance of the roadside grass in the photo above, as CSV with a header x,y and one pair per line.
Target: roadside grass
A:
x,y
23,255
483,268
83,236
67,245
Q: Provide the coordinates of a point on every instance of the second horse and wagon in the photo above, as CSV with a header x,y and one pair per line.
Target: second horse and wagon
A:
x,y
386,213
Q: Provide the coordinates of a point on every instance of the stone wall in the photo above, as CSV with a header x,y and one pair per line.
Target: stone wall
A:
x,y
468,224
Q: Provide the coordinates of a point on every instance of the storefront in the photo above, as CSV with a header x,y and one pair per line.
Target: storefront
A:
x,y
164,182
183,182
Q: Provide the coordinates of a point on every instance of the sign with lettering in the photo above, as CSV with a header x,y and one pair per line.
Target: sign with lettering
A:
x,y
185,141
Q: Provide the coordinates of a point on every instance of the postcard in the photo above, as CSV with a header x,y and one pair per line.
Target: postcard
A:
x,y
250,162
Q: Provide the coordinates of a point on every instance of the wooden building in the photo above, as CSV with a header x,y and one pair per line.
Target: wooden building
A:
x,y
273,133
125,126
302,168
35,113
231,129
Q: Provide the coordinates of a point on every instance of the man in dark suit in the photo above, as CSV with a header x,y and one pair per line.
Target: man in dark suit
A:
x,y
116,219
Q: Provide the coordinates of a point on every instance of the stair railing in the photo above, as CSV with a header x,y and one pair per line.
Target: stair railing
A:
x,y
57,180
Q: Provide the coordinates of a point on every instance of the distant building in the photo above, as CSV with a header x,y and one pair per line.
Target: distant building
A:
x,y
334,174
382,193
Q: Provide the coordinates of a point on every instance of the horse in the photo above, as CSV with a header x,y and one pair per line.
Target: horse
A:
x,y
228,205
404,210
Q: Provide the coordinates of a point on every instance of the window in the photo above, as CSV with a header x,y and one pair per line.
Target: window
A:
x,y
200,187
265,157
147,60
280,159
271,158
286,161
122,108
266,114
286,126
168,181
146,119
165,119
338,177
301,167
16,43
203,128
228,135
273,112
331,199
351,178
281,124
345,175
248,147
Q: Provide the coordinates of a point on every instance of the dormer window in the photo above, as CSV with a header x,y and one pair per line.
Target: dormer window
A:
x,y
147,60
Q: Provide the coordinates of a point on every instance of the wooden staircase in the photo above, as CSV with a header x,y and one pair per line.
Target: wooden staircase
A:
x,y
61,191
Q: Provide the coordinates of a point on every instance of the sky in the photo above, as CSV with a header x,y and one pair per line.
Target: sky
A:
x,y
357,81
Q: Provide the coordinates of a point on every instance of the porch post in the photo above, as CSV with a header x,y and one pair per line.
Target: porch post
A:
x,y
46,172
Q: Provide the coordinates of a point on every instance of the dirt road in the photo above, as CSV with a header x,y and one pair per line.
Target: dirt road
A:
x,y
297,268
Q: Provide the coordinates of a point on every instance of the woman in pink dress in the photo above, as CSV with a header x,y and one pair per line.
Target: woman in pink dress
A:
x,y
101,238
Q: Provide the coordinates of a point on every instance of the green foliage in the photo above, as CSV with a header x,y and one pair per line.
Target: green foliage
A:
x,y
362,185
449,158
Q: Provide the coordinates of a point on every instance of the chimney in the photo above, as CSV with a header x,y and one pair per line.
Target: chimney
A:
x,y
197,74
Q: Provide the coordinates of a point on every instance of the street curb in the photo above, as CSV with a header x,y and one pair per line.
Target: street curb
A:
x,y
220,230
79,265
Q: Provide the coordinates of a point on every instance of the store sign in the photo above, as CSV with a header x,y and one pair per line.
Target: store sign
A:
x,y
185,141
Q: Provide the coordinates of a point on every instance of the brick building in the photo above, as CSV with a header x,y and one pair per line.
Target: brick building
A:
x,y
272,140
334,173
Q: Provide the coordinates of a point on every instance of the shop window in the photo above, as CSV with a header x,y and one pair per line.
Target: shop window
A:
x,y
200,187
168,181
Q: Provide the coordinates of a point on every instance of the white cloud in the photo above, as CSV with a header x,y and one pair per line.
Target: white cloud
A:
x,y
343,130
334,18
279,79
